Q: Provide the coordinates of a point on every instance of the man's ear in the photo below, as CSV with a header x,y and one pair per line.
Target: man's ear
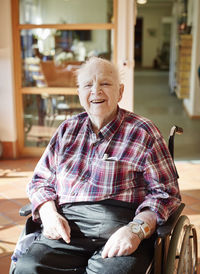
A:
x,y
121,90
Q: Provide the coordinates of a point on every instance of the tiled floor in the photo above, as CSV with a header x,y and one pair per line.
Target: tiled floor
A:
x,y
154,101
14,176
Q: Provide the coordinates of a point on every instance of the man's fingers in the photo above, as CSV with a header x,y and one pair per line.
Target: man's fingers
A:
x,y
51,234
110,252
122,252
114,250
105,252
64,231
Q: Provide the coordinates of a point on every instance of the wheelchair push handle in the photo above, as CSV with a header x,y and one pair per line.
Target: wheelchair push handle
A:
x,y
174,130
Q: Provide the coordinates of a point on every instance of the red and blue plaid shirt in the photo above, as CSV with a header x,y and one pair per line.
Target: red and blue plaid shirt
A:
x,y
128,161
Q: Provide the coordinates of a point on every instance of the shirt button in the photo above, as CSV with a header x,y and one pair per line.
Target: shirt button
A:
x,y
165,195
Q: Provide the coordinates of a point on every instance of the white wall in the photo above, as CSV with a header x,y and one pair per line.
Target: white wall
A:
x,y
192,104
152,20
7,109
125,54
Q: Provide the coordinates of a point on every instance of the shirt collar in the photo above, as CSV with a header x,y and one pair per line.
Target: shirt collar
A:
x,y
108,130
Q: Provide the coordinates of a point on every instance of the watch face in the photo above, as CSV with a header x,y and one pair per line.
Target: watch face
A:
x,y
135,228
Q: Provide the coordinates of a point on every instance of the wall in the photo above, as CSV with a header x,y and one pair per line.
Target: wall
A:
x,y
192,104
152,20
7,109
125,54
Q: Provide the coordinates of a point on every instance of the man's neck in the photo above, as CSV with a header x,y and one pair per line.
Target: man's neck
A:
x,y
98,123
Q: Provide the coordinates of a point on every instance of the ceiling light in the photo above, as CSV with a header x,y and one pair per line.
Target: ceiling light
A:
x,y
141,2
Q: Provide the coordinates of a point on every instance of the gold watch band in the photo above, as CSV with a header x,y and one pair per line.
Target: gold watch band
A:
x,y
144,226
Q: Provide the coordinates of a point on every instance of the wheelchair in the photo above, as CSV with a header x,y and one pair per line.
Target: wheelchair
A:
x,y
175,248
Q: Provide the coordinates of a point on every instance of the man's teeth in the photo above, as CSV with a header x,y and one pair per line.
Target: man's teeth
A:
x,y
97,101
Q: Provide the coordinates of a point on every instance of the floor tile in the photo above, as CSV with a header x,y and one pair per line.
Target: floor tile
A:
x,y
4,221
5,263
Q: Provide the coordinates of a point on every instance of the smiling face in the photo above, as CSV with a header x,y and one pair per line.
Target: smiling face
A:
x,y
99,90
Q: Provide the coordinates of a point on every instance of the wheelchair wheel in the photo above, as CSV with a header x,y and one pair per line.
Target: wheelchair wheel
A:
x,y
182,253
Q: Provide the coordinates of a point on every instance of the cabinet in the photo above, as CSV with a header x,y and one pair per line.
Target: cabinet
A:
x,y
184,66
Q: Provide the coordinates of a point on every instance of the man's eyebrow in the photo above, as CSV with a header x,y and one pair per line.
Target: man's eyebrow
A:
x,y
84,82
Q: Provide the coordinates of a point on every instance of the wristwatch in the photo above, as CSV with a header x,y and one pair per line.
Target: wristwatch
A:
x,y
140,228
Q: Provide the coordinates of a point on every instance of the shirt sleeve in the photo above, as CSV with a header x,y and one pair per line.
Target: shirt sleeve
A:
x,y
163,195
42,186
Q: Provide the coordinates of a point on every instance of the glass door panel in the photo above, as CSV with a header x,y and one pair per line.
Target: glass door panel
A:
x,y
65,11
43,113
50,57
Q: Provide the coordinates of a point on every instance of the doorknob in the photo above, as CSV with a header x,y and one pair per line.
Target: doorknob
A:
x,y
125,63
128,63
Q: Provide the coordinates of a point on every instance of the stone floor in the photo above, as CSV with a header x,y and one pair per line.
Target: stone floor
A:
x,y
153,100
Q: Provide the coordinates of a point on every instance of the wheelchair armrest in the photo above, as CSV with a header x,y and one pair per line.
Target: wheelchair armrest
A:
x,y
25,210
166,229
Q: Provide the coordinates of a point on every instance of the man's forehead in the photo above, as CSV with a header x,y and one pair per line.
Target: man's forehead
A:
x,y
99,70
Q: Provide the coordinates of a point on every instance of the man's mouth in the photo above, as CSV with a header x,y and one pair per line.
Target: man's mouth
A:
x,y
97,101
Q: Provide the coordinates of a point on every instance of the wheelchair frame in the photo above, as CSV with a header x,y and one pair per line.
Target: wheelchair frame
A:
x,y
175,247
176,250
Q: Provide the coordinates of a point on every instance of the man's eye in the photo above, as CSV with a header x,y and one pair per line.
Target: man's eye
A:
x,y
88,85
105,84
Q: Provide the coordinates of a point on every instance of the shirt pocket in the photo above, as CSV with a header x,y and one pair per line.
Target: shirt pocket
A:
x,y
113,176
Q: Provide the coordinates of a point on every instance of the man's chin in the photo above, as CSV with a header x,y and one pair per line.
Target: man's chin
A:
x,y
99,111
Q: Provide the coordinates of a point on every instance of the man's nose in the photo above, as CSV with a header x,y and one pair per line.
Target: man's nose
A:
x,y
95,89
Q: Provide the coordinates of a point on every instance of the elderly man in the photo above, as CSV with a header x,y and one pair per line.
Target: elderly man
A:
x,y
104,182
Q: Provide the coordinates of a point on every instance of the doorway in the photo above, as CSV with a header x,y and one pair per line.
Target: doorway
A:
x,y
153,96
138,42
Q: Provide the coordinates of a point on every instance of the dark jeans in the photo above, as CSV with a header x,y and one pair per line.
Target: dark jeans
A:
x,y
91,225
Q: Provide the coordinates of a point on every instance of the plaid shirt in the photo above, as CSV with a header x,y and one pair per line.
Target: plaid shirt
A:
x,y
128,161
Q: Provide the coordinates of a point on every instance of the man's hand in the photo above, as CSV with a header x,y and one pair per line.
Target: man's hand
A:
x,y
121,243
55,226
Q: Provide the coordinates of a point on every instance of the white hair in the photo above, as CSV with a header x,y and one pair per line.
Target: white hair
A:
x,y
97,61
